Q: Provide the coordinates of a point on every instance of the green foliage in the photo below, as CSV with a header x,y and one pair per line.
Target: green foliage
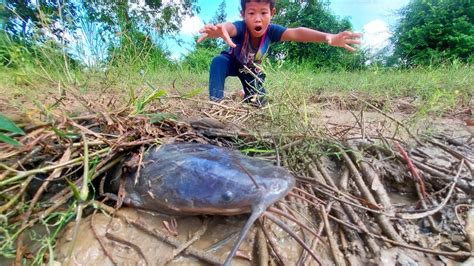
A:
x,y
12,53
201,56
200,59
154,15
54,223
40,34
147,96
220,16
435,31
430,90
136,51
316,15
8,126
24,19
30,60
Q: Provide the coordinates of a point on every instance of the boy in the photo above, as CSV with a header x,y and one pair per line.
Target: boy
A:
x,y
249,41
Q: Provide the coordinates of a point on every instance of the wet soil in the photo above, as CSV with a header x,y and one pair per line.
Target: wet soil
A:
x,y
126,244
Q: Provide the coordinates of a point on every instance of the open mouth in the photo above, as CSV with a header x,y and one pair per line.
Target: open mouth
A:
x,y
258,28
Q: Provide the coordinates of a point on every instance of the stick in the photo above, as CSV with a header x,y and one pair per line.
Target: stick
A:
x,y
382,220
420,185
102,244
195,237
389,117
336,253
200,254
79,209
454,153
293,219
413,170
128,243
459,254
440,206
73,162
273,245
298,239
341,193
371,177
140,161
348,212
20,162
262,247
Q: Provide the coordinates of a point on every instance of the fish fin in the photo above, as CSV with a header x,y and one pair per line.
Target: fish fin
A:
x,y
256,213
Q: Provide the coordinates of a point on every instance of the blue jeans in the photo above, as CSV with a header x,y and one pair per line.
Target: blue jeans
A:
x,y
225,65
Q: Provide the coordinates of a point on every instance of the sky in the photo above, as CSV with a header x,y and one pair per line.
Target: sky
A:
x,y
373,18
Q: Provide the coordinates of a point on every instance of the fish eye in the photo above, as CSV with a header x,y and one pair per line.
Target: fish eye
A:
x,y
227,196
275,187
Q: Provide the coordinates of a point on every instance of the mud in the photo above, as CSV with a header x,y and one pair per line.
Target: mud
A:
x,y
139,248
346,123
218,239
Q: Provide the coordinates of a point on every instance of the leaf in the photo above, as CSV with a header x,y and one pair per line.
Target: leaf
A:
x,y
160,117
75,190
141,103
8,125
254,150
64,134
155,95
8,140
57,172
193,93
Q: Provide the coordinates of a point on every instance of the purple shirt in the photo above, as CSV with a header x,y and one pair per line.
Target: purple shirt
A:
x,y
244,52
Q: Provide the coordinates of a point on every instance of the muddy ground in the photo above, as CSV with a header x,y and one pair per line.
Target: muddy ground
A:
x,y
106,240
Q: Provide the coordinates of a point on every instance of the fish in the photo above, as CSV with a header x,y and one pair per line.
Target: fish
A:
x,y
204,179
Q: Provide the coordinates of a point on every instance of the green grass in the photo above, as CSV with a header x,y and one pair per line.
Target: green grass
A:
x,y
141,65
139,75
433,91
441,85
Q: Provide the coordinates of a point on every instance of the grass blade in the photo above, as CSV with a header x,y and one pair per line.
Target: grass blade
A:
x,y
8,140
8,125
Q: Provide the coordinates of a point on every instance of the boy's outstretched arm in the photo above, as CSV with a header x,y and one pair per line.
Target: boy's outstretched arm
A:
x,y
342,39
225,31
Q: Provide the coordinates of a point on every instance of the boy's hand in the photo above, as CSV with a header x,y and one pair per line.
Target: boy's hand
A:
x,y
216,31
343,39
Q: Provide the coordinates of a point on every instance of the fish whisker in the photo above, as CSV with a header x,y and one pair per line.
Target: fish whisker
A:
x,y
285,227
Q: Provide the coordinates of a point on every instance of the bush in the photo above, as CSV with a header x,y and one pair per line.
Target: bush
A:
x,y
200,59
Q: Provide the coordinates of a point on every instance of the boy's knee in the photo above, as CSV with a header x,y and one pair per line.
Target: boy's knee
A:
x,y
219,61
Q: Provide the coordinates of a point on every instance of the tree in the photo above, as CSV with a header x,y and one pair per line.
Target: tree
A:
x,y
47,19
123,23
316,15
3,15
159,16
433,31
219,17
36,32
201,57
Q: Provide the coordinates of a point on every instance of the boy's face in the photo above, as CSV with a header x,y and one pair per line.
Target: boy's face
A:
x,y
257,17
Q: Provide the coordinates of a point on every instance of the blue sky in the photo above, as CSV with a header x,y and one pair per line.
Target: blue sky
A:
x,y
361,12
374,18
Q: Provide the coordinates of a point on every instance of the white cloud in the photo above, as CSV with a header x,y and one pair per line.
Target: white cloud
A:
x,y
191,25
376,35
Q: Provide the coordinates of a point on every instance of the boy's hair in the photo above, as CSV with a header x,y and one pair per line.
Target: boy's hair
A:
x,y
243,2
